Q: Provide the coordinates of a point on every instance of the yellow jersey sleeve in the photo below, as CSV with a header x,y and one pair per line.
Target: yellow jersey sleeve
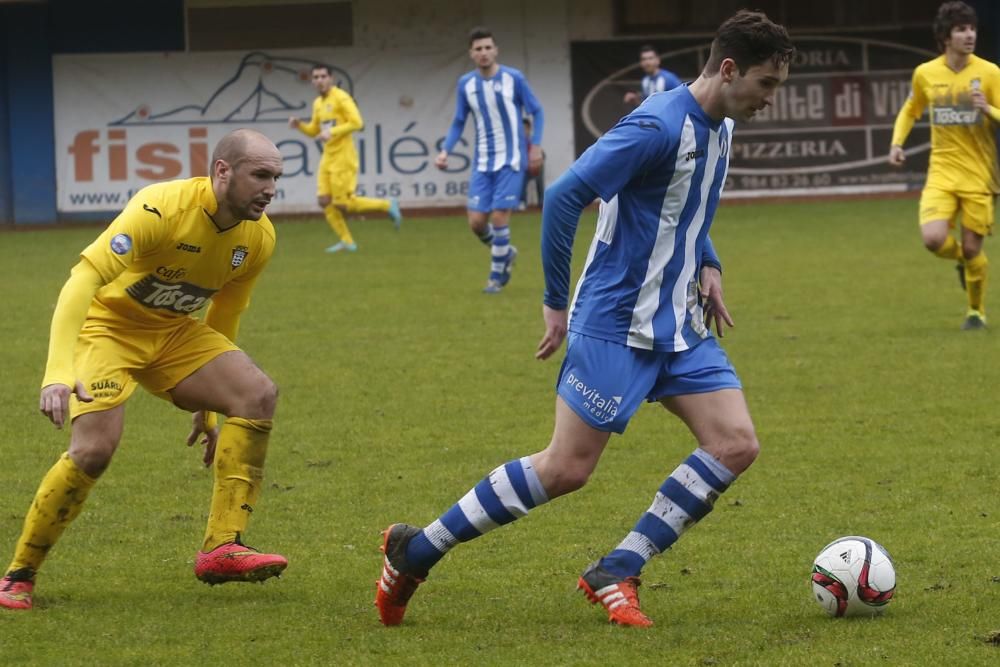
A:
x,y
67,320
138,231
911,111
349,117
312,128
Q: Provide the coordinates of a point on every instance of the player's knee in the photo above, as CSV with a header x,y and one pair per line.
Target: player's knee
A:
x,y
562,476
265,399
933,240
323,201
969,252
94,456
742,449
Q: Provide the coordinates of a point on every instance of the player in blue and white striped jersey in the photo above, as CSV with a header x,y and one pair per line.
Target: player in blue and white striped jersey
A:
x,y
651,287
656,80
498,98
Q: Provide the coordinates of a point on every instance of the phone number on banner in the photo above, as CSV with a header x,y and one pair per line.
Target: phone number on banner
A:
x,y
420,189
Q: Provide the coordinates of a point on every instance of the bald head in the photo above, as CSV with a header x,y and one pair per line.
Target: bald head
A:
x,y
246,166
242,144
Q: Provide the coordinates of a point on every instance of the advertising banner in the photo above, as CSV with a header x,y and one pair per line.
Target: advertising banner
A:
x,y
828,130
124,121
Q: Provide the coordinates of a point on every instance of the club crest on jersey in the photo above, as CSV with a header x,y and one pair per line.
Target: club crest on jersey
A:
x,y
239,256
121,244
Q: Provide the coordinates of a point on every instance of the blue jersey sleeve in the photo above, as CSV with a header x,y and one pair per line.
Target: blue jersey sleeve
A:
x,y
626,150
457,123
534,108
709,256
564,202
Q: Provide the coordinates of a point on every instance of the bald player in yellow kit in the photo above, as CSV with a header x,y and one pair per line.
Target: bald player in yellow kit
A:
x,y
335,118
962,93
124,318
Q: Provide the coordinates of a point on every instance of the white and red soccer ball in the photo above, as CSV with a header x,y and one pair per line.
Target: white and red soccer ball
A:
x,y
853,576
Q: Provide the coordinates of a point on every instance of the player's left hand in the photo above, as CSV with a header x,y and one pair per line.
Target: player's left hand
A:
x,y
535,159
324,136
203,423
979,100
555,332
710,285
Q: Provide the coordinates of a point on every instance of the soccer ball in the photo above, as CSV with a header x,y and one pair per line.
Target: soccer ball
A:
x,y
853,576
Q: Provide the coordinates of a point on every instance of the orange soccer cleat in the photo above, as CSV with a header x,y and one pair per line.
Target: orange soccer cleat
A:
x,y
237,562
618,595
16,589
396,586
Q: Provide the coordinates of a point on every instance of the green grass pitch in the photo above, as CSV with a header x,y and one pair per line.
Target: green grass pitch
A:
x,y
402,386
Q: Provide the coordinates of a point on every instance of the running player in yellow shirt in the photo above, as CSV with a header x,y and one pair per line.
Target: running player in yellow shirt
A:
x,y
335,117
962,93
124,318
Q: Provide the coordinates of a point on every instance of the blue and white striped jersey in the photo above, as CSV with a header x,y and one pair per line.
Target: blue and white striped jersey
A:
x,y
659,173
498,104
660,82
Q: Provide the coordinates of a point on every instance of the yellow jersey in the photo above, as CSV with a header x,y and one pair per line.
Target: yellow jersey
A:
x,y
337,112
963,145
163,257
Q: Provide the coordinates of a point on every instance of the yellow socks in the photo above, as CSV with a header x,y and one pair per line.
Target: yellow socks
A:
x,y
338,224
239,471
58,501
950,249
367,205
975,281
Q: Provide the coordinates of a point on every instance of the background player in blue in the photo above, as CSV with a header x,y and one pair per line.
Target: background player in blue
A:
x,y
650,289
498,96
656,79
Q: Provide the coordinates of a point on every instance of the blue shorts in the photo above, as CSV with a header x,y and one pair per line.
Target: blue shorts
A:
x,y
605,382
495,190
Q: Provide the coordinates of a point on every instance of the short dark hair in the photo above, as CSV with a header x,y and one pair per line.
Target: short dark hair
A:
x,y
320,66
479,32
950,15
645,48
749,38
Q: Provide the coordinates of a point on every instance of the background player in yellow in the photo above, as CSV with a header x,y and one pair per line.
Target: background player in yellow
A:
x,y
962,93
124,318
335,117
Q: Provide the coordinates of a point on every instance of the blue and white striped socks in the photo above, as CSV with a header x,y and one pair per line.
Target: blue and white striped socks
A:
x,y
499,251
506,494
684,499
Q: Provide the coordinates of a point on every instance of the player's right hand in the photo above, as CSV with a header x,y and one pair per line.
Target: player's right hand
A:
x,y
54,401
293,122
631,97
555,332
896,156
441,161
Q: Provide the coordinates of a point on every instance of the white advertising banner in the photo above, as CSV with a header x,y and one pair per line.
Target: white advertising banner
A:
x,y
127,120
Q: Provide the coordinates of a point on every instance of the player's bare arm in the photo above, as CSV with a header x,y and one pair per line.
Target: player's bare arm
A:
x,y
714,307
555,332
441,161
896,156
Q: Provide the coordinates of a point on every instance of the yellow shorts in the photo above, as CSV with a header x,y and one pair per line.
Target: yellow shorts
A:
x,y
337,178
976,208
111,357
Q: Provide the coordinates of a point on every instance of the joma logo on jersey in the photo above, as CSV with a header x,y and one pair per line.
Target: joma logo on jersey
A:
x,y
187,247
605,409
953,116
239,255
175,297
694,155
